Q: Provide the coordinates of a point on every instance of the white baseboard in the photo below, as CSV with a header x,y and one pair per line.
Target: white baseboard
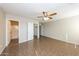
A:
x,y
63,40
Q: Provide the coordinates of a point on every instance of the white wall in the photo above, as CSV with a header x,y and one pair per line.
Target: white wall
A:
x,y
2,30
66,29
23,33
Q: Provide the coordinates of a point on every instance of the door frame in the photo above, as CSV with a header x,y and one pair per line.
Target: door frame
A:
x,y
8,30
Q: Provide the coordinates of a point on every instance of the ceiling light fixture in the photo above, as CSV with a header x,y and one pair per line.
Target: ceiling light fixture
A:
x,y
46,18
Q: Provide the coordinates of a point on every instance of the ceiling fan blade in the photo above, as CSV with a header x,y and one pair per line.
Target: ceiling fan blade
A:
x,y
52,14
50,17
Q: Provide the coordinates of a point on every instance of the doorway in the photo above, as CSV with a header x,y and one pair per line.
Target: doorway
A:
x,y
36,31
14,32
33,31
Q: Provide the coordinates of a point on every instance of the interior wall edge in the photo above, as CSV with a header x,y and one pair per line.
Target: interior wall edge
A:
x,y
2,30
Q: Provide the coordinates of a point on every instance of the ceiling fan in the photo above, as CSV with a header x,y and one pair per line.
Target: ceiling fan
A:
x,y
46,16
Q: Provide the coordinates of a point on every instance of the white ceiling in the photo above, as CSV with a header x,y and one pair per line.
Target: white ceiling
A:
x,y
31,11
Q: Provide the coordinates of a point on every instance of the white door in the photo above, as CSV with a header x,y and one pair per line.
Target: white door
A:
x,y
38,31
30,31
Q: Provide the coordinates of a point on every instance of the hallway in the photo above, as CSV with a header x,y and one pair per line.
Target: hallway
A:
x,y
41,47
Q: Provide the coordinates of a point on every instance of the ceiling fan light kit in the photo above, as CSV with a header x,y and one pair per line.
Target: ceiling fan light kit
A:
x,y
46,18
